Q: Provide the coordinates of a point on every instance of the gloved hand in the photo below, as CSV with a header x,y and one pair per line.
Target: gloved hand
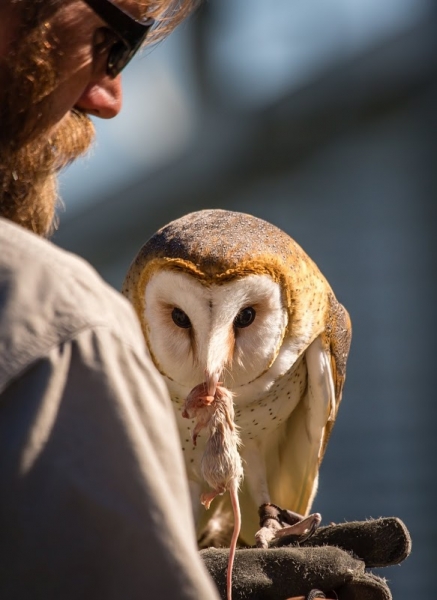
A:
x,y
333,560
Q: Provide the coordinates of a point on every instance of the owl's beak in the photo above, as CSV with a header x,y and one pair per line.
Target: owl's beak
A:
x,y
211,380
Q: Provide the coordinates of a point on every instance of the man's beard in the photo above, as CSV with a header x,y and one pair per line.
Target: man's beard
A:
x,y
28,176
32,154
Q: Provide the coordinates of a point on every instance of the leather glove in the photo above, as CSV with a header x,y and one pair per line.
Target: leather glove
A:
x,y
333,562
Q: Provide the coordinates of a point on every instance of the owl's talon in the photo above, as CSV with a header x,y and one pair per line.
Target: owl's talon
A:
x,y
277,523
302,530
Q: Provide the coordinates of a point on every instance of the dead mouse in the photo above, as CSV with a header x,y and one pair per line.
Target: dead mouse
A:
x,y
221,465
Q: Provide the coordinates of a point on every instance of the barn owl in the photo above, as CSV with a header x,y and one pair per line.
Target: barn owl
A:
x,y
225,298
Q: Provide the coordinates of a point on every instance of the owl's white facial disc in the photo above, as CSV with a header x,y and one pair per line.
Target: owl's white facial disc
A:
x,y
233,329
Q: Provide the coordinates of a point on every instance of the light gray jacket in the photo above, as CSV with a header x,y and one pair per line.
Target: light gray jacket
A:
x,y
93,498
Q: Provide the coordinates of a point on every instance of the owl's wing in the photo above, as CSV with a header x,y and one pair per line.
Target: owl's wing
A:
x,y
337,340
293,465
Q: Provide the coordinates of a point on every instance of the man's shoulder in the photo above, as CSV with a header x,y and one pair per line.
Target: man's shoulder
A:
x,y
47,296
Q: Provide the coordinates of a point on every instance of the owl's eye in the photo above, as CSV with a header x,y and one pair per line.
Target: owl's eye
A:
x,y
180,318
245,317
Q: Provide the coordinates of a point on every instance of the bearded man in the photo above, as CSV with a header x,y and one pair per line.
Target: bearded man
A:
x,y
93,501
91,468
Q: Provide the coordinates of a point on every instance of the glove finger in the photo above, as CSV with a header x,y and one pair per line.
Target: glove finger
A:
x,y
379,542
365,587
281,572
313,595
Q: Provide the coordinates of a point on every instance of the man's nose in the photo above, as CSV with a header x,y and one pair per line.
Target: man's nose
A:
x,y
102,98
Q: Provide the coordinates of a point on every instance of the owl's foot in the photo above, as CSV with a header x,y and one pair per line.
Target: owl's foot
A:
x,y
277,523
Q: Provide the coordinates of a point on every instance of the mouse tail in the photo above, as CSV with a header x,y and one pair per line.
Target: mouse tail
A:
x,y
237,527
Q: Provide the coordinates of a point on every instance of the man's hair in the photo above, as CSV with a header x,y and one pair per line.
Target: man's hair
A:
x,y
167,13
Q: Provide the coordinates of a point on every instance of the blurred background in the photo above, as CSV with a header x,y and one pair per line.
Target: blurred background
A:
x,y
319,116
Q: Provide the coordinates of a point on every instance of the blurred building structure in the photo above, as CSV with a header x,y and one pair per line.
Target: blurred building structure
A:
x,y
343,158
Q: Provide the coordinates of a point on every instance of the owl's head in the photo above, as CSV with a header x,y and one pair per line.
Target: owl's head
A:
x,y
219,297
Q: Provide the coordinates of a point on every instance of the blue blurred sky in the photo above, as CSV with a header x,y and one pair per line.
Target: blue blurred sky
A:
x,y
258,51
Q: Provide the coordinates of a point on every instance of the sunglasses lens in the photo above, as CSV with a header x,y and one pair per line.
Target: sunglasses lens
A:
x,y
131,33
118,58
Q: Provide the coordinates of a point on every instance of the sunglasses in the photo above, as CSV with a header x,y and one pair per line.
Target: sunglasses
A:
x,y
131,33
